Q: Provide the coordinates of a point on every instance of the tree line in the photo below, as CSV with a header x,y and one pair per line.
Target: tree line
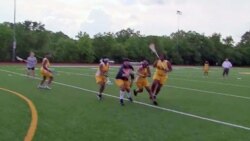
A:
x,y
182,48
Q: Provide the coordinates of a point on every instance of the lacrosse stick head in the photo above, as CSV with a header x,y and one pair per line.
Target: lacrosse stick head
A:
x,y
152,48
111,61
18,58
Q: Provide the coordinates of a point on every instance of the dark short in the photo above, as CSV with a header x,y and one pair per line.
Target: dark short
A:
x,y
225,71
31,68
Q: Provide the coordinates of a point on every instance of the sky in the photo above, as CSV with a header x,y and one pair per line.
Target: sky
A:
x,y
150,17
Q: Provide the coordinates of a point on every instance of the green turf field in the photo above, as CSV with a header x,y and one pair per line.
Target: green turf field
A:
x,y
191,108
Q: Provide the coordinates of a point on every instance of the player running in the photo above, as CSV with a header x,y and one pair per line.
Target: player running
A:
x,y
101,76
46,73
123,80
162,66
142,82
206,68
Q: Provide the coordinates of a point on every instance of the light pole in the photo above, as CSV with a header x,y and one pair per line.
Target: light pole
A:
x,y
14,35
179,13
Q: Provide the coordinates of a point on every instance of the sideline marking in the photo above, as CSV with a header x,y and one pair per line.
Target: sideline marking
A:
x,y
34,117
148,105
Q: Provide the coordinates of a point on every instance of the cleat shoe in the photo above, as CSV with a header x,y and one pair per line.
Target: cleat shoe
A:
x,y
155,103
99,96
135,93
121,102
130,99
109,83
40,87
47,87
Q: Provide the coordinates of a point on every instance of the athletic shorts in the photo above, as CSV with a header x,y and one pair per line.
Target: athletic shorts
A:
x,y
162,79
141,83
206,70
100,79
122,83
225,71
46,73
33,68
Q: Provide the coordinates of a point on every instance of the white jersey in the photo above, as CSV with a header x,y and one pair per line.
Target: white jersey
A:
x,y
31,62
226,65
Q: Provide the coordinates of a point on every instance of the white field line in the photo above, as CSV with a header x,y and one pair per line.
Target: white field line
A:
x,y
184,74
211,92
218,83
80,66
148,105
172,86
73,73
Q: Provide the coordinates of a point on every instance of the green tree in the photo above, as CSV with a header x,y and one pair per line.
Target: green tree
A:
x,y
86,50
103,44
6,39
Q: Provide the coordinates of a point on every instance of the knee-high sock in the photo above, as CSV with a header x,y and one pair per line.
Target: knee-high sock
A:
x,y
128,94
122,93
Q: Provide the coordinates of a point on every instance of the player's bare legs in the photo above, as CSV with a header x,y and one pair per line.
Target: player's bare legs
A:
x,y
49,82
151,95
129,95
28,72
155,87
101,89
122,93
136,91
158,89
33,73
41,85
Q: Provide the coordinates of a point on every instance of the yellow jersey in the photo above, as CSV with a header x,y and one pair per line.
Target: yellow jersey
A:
x,y
161,67
45,63
206,67
103,69
142,74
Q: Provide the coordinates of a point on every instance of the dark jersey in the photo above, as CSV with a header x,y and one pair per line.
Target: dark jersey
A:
x,y
125,72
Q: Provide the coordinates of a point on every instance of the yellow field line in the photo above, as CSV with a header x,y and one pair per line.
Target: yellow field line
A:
x,y
34,117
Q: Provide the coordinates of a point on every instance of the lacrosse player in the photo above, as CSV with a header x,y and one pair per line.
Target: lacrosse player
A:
x,y
46,73
162,67
123,80
101,76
